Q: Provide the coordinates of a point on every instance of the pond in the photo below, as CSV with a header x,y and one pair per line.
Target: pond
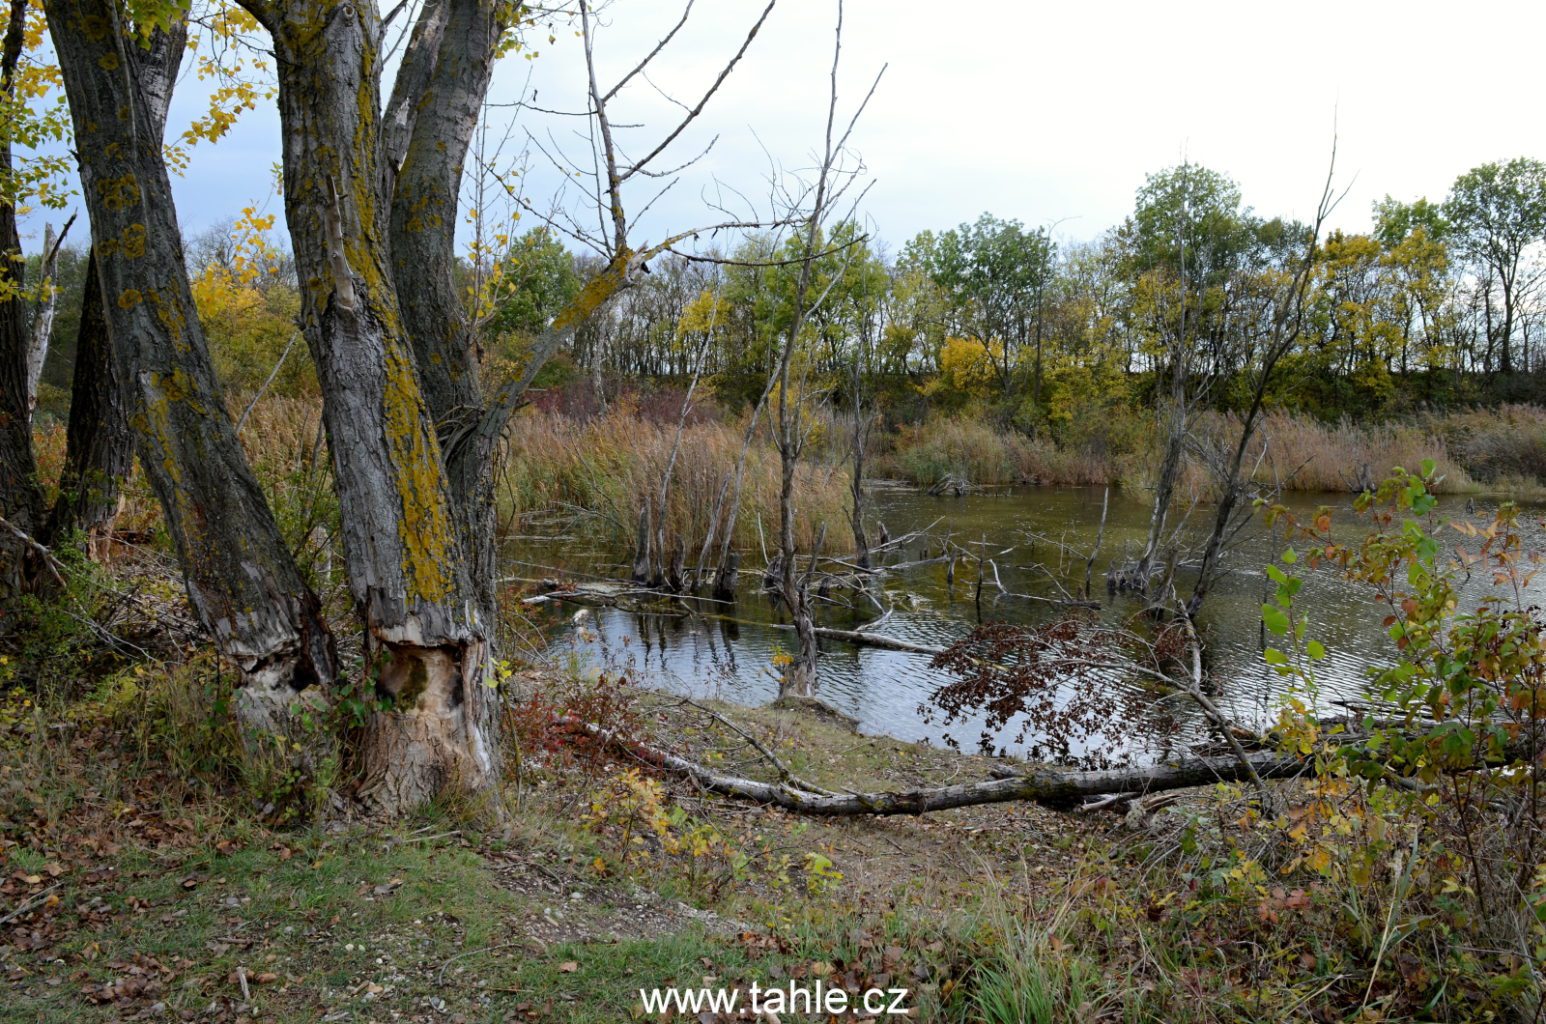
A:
x,y
1031,535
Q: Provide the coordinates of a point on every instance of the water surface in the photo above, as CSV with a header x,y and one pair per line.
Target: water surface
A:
x,y
1031,535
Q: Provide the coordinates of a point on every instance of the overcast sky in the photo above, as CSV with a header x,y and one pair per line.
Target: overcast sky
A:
x,y
1049,113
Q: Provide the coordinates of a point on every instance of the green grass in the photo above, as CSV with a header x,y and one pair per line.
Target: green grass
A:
x,y
599,982
328,916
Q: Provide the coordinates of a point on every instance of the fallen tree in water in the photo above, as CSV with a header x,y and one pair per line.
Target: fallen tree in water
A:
x,y
1062,790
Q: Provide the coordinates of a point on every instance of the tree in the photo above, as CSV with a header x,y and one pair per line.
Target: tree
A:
x,y
996,273
791,425
1418,273
242,581
371,194
1496,215
26,119
536,280
21,499
1282,288
1184,244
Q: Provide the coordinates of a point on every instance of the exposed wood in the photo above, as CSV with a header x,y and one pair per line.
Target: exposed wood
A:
x,y
416,571
46,303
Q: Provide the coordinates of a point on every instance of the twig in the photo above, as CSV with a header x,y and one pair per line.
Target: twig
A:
x,y
784,774
28,904
241,420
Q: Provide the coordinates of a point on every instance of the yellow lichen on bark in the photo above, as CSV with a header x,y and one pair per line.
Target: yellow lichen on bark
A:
x,y
119,193
424,528
133,242
599,289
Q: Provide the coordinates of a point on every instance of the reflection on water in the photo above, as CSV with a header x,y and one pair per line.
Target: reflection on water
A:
x,y
704,655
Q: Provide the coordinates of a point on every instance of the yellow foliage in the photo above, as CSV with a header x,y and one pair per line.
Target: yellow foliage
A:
x,y
966,366
708,312
249,315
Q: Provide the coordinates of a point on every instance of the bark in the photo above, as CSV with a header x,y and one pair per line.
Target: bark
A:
x,y
426,635
242,581
1169,471
436,101
799,675
21,499
860,442
1063,790
42,315
98,445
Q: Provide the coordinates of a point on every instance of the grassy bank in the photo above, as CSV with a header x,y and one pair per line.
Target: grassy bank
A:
x,y
147,876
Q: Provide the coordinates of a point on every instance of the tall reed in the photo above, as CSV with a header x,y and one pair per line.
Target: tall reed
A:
x,y
604,469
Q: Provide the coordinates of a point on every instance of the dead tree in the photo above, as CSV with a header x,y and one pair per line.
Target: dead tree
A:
x,y
43,309
1285,319
1184,242
861,364
791,426
1063,790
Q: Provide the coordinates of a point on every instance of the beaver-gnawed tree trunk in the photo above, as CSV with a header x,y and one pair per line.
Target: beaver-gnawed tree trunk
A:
x,y
411,435
242,581
427,625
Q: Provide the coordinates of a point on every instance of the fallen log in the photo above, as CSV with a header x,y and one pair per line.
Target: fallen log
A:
x,y
1061,790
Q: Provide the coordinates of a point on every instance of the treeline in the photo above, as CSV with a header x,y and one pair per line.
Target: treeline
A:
x,y
1437,305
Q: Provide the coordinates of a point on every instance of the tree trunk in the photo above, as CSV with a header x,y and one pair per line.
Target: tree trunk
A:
x,y
799,675
98,446
427,130
42,316
21,499
1062,790
860,439
426,635
1169,471
242,581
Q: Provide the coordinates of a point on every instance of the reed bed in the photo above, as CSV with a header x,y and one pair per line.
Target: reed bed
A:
x,y
1499,450
605,468
1305,454
602,468
973,451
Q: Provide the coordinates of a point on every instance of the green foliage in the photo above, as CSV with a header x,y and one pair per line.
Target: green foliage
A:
x,y
1427,808
994,276
1497,209
52,639
1188,224
536,279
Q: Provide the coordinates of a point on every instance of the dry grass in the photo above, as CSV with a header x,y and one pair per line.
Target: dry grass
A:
x,y
1501,450
975,452
609,465
1305,454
